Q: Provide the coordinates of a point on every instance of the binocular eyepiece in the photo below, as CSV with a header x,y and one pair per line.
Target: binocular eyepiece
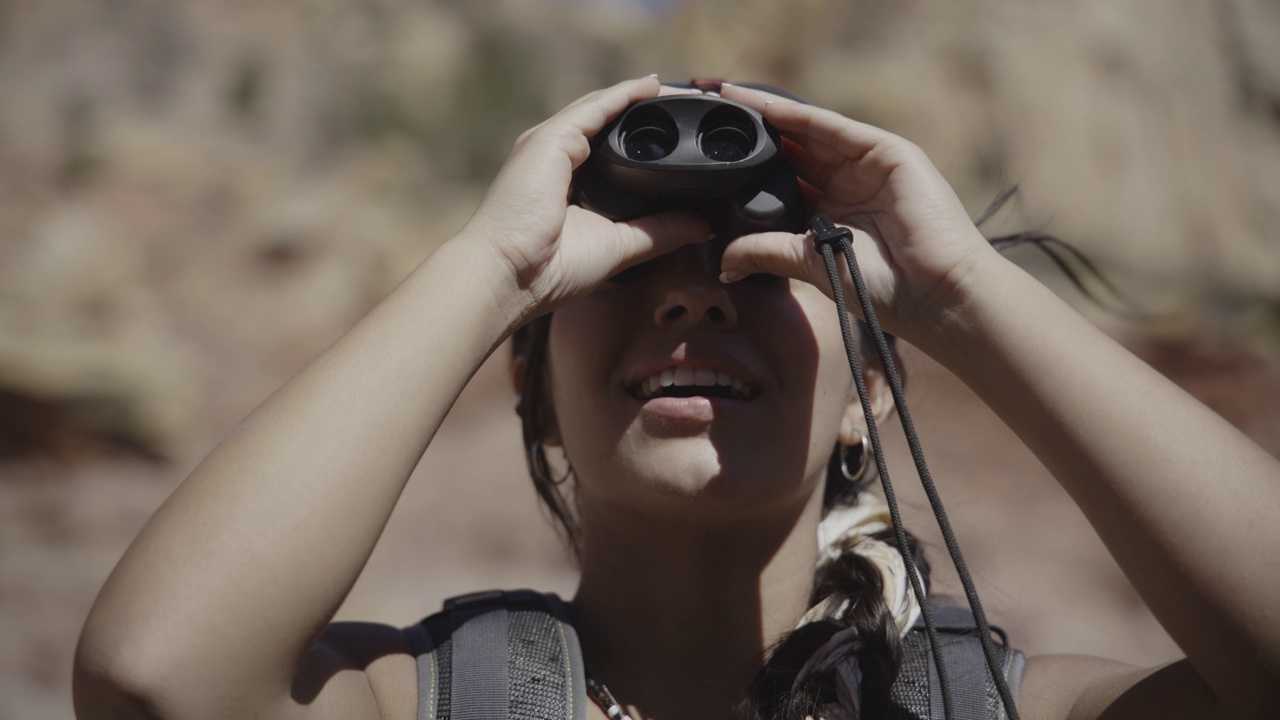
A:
x,y
694,152
726,134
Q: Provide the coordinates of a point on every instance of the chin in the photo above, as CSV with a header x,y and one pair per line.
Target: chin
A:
x,y
692,479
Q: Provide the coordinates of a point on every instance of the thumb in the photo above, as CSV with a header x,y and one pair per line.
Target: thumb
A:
x,y
776,253
652,235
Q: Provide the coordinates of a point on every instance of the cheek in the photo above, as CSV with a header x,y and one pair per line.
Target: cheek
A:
x,y
833,381
580,352
583,339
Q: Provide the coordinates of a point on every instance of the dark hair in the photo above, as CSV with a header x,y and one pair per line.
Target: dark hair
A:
x,y
529,343
773,694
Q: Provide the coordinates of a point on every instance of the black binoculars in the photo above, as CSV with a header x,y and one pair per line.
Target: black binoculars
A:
x,y
695,152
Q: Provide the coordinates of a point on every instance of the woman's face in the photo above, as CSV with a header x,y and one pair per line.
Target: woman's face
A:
x,y
675,394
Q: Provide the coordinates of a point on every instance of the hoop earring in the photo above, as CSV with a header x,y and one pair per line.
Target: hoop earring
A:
x,y
858,472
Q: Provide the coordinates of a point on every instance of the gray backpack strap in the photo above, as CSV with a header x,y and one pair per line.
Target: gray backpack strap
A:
x,y
425,656
917,694
497,655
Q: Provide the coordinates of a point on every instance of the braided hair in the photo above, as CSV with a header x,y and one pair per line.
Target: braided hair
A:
x,y
799,676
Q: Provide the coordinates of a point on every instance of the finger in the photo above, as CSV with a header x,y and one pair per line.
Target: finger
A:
x,y
591,112
821,167
598,92
827,134
776,253
804,123
570,130
808,168
763,102
813,197
653,235
811,173
751,97
669,90
818,134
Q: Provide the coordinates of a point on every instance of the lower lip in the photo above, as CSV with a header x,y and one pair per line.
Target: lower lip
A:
x,y
688,411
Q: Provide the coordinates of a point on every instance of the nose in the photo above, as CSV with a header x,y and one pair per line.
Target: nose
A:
x,y
692,294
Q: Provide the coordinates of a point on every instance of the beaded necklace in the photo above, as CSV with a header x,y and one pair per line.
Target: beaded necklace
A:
x,y
601,695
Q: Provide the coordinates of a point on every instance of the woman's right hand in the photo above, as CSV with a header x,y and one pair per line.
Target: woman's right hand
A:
x,y
552,253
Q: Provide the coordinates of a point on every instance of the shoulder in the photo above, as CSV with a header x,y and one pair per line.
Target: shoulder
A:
x,y
359,664
1080,687
369,665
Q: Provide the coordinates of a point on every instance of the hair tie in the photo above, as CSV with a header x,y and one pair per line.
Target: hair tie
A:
x,y
850,529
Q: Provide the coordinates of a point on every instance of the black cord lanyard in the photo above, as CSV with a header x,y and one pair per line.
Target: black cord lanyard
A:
x,y
826,237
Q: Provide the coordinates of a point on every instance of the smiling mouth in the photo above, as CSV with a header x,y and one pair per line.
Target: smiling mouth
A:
x,y
686,382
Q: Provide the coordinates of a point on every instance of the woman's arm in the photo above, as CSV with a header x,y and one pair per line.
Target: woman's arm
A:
x,y
216,607
1185,503
223,593
1183,500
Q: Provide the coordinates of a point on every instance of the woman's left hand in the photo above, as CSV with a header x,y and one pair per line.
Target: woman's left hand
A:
x,y
915,243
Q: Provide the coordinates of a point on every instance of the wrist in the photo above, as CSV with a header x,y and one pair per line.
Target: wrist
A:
x,y
1001,323
960,316
482,279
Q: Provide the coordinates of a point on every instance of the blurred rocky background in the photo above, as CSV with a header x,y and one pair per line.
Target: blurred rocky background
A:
x,y
196,197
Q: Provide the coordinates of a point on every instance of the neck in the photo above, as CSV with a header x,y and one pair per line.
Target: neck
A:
x,y
676,620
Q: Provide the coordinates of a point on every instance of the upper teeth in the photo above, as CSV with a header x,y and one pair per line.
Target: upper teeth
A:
x,y
698,377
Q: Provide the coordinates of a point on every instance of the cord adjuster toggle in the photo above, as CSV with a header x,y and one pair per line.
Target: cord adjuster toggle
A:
x,y
826,232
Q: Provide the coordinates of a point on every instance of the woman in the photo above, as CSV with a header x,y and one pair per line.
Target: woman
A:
x,y
698,517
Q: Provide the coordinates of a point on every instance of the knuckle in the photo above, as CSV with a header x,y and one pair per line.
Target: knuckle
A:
x,y
524,136
574,144
908,151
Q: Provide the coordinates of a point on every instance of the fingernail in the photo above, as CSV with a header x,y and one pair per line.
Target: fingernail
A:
x,y
652,75
767,103
727,84
731,276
